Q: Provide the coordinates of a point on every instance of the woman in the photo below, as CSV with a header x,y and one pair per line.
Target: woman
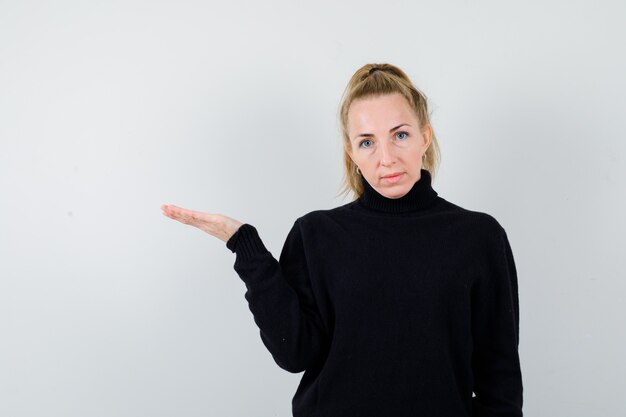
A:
x,y
398,303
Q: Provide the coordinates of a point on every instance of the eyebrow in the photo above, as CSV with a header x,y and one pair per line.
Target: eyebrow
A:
x,y
390,131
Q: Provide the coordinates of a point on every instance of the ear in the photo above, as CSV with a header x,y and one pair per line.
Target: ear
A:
x,y
348,148
427,133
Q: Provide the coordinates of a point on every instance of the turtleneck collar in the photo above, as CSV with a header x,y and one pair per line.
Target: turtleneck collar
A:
x,y
419,197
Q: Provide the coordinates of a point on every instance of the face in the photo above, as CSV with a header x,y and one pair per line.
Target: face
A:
x,y
386,139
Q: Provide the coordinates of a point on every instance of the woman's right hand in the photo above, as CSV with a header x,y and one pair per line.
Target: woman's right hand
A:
x,y
218,225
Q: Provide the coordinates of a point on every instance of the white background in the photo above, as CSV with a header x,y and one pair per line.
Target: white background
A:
x,y
110,109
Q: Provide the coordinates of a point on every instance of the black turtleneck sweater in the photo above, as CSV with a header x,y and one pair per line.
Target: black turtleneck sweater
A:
x,y
391,307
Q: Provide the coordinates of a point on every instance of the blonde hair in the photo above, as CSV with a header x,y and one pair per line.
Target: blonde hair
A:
x,y
372,80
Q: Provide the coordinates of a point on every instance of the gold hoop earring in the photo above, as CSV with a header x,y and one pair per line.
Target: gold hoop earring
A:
x,y
358,171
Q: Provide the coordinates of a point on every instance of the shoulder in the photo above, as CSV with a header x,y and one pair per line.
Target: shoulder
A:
x,y
480,227
444,210
453,221
324,215
478,218
322,224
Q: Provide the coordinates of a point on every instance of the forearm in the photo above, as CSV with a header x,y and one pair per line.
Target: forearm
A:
x,y
495,323
281,305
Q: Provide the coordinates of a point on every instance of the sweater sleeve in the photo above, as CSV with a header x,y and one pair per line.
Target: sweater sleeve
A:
x,y
280,297
495,330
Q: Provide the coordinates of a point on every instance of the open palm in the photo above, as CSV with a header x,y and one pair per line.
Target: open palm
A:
x,y
218,225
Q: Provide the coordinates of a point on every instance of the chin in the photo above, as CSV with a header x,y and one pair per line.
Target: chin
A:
x,y
395,191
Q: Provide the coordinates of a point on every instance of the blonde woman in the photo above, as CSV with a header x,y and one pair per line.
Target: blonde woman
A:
x,y
398,303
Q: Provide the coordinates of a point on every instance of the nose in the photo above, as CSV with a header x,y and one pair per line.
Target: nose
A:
x,y
388,156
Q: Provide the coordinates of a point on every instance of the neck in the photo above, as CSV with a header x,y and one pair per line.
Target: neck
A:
x,y
419,197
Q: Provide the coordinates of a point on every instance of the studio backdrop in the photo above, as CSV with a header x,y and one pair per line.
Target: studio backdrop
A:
x,y
110,109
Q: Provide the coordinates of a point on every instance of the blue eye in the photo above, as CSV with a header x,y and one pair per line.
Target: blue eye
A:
x,y
402,133
362,142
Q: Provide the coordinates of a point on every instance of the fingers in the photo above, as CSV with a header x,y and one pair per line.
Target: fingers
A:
x,y
175,212
218,225
180,214
186,216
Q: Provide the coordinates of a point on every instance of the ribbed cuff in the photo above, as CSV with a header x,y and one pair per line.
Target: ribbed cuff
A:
x,y
246,242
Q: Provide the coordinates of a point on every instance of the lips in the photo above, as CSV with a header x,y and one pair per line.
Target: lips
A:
x,y
393,179
392,175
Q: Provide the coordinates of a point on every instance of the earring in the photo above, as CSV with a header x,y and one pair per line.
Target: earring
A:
x,y
358,171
